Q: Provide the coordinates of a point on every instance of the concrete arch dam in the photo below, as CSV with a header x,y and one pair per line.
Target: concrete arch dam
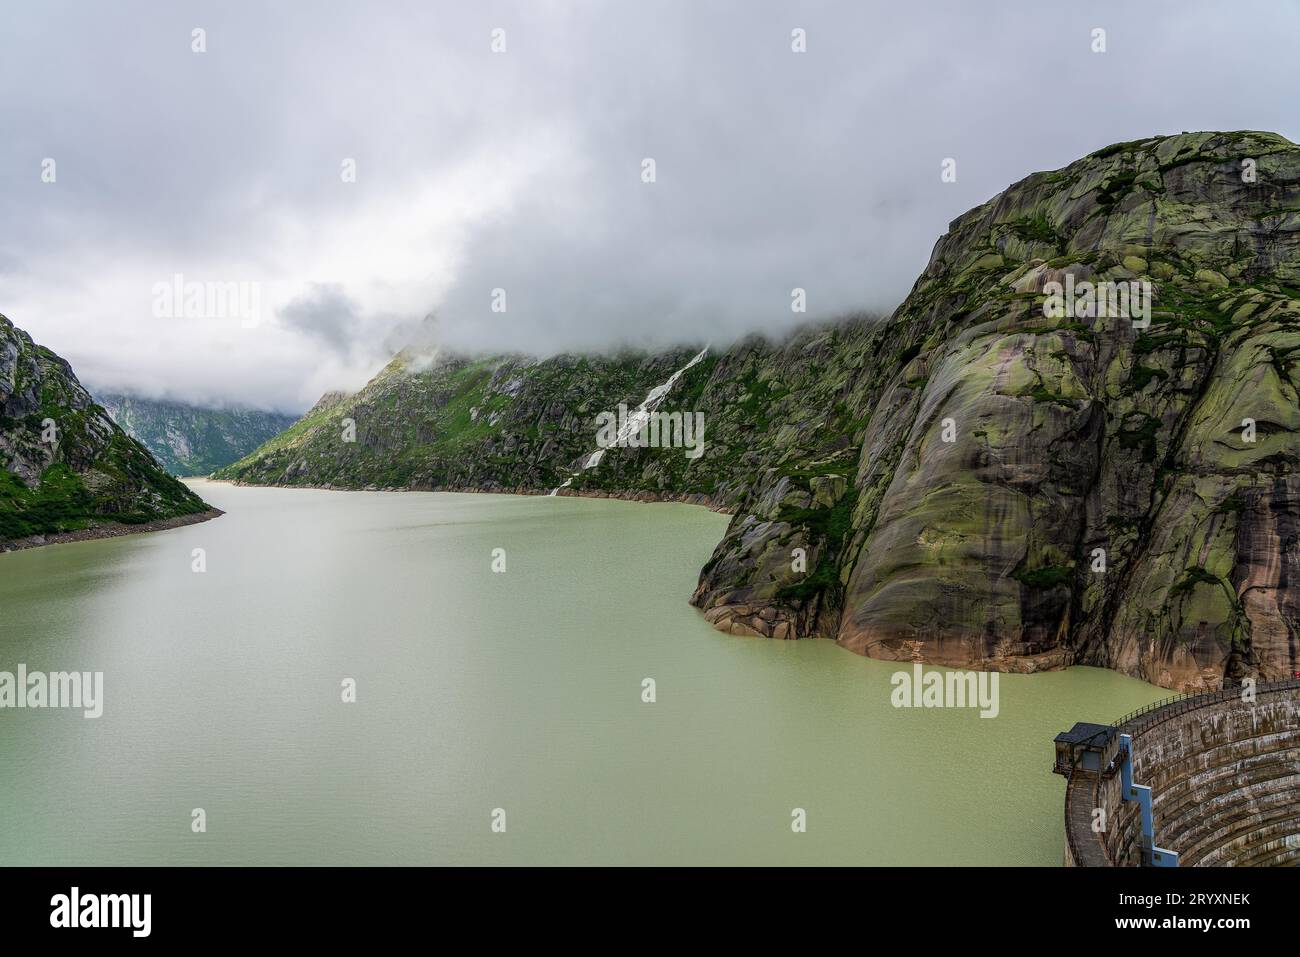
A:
x,y
1197,780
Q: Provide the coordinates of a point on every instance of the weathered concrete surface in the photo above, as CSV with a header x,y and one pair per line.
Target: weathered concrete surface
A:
x,y
1080,849
1225,780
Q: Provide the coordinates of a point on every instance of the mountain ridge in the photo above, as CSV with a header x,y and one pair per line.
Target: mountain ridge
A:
x,y
192,440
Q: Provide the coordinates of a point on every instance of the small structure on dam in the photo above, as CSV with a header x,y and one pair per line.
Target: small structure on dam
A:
x,y
1081,752
1220,777
1081,747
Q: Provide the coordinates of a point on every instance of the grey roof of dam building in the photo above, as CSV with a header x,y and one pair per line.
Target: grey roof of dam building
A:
x,y
1085,732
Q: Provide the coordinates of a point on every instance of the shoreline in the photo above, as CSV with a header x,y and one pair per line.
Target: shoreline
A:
x,y
108,530
679,498
721,621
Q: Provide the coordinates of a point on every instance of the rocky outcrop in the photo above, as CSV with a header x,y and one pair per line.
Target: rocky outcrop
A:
x,y
66,469
1034,491
983,479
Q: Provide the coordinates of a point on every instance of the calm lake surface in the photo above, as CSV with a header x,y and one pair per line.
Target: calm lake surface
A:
x,y
478,690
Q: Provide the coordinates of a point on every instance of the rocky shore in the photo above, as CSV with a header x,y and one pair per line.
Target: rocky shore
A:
x,y
108,530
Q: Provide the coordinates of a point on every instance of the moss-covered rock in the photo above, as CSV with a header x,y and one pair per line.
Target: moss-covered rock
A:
x,y
1075,438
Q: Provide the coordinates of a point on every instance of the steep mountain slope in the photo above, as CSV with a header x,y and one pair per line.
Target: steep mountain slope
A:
x,y
520,424
65,466
191,440
980,480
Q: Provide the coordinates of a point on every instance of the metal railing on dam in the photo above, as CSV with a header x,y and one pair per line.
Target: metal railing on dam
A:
x,y
1224,773
1178,704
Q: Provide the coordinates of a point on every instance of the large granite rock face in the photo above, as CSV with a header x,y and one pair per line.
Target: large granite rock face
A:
x,y
1081,435
945,485
65,466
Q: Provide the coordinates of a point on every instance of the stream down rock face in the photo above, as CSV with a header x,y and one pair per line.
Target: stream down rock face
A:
x,y
944,485
522,424
1070,440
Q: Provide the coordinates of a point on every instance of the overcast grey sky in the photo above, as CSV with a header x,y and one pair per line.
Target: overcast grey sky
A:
x,y
522,170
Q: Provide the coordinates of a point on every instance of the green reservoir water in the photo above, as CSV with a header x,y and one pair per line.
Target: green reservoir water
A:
x,y
478,690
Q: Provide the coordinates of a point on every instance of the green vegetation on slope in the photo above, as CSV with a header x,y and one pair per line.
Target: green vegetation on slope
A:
x,y
189,440
65,466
